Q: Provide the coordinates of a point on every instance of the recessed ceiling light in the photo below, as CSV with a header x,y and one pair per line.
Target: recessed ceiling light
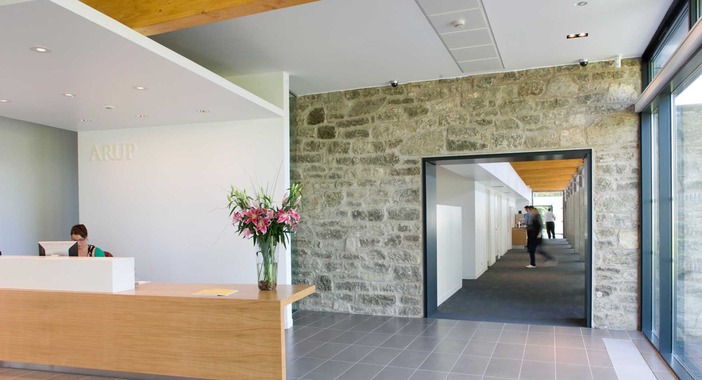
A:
x,y
140,88
142,116
85,120
203,111
108,107
69,95
40,49
581,3
577,35
4,101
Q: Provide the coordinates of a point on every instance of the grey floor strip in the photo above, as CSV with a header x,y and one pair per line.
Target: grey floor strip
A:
x,y
627,360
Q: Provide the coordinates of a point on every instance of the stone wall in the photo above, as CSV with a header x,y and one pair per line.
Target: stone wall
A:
x,y
359,154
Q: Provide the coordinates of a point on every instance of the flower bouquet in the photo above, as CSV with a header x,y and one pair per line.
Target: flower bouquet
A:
x,y
267,224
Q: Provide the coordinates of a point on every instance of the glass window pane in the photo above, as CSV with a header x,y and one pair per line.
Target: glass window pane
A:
x,y
655,232
671,42
687,227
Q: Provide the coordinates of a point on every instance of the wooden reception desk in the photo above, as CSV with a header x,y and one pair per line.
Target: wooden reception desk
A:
x,y
157,328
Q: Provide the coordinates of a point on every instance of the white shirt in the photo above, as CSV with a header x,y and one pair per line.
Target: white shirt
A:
x,y
549,217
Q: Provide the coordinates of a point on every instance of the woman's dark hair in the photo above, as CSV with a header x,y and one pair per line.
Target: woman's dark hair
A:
x,y
80,229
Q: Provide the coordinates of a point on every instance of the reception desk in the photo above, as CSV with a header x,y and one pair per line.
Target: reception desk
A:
x,y
156,328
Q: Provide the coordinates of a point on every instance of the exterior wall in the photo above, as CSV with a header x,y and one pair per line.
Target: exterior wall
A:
x,y
359,154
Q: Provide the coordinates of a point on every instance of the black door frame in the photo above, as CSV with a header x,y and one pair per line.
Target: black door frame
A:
x,y
429,213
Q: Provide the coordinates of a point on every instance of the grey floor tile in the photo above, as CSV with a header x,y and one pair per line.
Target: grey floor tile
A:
x,y
514,337
619,334
353,353
541,339
491,325
460,332
479,348
472,365
449,346
326,335
302,348
570,341
487,335
381,356
540,354
603,373
424,343
532,370
573,372
422,374
571,356
567,330
655,362
437,331
586,331
503,368
542,329
439,362
394,373
327,350
413,329
330,369
302,366
361,371
392,326
636,335
509,351
516,327
594,343
409,359
349,337
373,339
463,376
398,341
599,358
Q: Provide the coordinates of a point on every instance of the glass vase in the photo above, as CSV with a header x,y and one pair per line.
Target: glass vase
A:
x,y
267,264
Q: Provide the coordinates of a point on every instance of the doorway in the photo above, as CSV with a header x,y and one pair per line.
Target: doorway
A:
x,y
496,227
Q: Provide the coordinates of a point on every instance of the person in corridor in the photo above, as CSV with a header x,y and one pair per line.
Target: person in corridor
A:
x,y
550,220
534,240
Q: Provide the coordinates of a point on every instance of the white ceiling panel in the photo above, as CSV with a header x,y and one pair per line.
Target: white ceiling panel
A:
x,y
473,53
433,7
473,19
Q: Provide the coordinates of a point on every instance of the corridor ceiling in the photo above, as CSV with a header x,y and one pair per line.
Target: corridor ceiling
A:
x,y
548,175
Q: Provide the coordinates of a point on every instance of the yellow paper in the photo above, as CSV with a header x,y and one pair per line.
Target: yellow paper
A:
x,y
215,292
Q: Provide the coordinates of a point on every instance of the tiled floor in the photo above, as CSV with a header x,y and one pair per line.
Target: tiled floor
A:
x,y
327,346
360,347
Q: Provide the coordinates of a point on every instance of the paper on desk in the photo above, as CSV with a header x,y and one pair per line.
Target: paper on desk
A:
x,y
215,292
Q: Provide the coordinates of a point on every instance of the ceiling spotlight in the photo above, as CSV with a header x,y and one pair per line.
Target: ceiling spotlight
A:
x,y
203,111
577,35
458,23
85,120
140,88
581,3
142,116
108,107
69,95
4,101
40,49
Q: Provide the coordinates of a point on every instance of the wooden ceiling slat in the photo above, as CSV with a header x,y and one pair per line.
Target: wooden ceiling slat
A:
x,y
150,17
547,175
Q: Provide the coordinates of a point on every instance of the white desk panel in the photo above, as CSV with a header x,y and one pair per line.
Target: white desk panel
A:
x,y
87,274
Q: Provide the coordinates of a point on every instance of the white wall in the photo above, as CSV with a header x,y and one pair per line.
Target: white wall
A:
x,y
449,251
166,204
39,191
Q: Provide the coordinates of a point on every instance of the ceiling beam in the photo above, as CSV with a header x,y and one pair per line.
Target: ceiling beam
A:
x,y
570,163
150,17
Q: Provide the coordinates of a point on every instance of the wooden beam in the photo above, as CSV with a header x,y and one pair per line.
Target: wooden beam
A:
x,y
571,163
151,17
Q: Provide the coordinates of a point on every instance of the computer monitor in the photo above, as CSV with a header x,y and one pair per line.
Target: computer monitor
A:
x,y
58,248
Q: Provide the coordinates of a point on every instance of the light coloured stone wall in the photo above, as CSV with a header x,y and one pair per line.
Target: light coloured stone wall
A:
x,y
359,154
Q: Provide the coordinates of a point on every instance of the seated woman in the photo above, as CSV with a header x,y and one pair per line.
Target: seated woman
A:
x,y
79,233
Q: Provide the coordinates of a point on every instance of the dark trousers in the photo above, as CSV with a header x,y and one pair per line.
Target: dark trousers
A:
x,y
551,229
533,246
